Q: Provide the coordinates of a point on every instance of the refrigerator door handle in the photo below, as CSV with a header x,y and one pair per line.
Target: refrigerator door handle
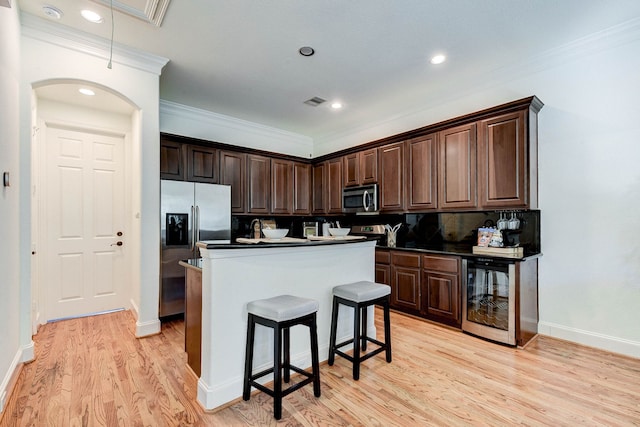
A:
x,y
196,235
193,229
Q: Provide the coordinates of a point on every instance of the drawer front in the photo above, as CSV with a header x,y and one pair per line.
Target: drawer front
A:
x,y
383,257
449,264
402,259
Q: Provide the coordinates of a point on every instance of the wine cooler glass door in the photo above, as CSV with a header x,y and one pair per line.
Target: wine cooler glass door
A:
x,y
489,306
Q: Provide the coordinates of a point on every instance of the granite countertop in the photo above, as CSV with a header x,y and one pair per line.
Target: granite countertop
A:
x,y
461,250
286,242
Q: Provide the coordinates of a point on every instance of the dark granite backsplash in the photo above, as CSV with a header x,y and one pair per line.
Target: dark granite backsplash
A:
x,y
436,231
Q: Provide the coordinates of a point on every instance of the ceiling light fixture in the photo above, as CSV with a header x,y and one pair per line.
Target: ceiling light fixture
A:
x,y
438,59
52,11
306,51
336,105
91,16
86,91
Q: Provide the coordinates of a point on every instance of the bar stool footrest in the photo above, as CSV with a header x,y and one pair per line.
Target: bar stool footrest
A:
x,y
308,380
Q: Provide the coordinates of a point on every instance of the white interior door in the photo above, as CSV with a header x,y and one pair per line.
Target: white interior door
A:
x,y
83,216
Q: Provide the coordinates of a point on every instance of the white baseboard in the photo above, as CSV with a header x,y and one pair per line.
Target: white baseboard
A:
x,y
591,339
144,329
11,376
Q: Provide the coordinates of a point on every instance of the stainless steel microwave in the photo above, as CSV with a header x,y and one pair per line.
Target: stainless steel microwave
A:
x,y
360,199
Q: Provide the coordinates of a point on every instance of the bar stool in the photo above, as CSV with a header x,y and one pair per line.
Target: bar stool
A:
x,y
360,295
281,313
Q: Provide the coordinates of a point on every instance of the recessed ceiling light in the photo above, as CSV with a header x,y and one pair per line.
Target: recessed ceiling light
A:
x,y
438,59
336,105
86,91
306,51
91,16
52,11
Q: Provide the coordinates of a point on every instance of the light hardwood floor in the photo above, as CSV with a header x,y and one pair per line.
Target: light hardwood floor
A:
x,y
93,371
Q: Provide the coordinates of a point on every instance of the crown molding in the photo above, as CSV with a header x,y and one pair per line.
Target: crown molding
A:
x,y
60,35
221,121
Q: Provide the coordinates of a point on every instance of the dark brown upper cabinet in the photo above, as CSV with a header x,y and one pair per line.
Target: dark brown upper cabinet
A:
x,y
202,164
258,184
420,173
502,161
333,188
457,167
360,168
233,172
391,158
301,188
281,186
319,197
172,160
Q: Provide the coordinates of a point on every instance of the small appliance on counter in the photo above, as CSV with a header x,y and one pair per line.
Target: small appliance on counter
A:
x,y
309,229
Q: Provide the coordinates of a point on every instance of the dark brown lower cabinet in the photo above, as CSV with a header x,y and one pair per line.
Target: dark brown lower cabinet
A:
x,y
428,286
193,319
383,266
440,291
405,281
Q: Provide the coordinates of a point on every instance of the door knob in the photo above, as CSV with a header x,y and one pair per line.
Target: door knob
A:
x,y
119,233
116,244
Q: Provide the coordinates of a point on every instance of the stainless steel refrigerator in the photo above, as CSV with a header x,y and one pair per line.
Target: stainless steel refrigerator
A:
x,y
190,212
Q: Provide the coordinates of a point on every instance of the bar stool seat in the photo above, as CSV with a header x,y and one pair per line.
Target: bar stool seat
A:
x,y
281,313
360,295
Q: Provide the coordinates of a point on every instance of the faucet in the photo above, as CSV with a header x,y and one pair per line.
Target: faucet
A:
x,y
253,230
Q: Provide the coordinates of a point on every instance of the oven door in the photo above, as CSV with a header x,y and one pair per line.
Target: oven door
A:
x,y
488,308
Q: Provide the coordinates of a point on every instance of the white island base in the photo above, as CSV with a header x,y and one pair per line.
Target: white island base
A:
x,y
233,276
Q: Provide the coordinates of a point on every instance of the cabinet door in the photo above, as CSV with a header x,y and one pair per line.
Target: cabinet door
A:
x,y
457,167
319,186
233,172
383,267
420,173
405,288
502,162
351,169
405,281
301,188
171,161
334,186
202,164
369,166
259,184
391,170
281,186
441,297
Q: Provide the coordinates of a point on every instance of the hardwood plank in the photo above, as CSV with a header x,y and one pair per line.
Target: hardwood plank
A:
x,y
94,371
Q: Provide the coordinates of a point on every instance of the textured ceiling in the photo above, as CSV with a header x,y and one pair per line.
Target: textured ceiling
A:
x,y
240,57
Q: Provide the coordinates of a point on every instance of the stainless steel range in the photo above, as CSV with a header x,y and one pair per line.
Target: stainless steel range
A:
x,y
376,231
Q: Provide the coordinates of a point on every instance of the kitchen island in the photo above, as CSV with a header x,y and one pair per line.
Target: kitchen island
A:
x,y
233,275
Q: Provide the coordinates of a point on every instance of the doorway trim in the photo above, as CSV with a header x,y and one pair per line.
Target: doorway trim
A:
x,y
42,119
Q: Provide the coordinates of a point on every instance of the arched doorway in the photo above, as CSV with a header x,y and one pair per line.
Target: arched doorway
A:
x,y
81,203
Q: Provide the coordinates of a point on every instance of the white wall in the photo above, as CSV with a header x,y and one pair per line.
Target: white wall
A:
x,y
10,344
